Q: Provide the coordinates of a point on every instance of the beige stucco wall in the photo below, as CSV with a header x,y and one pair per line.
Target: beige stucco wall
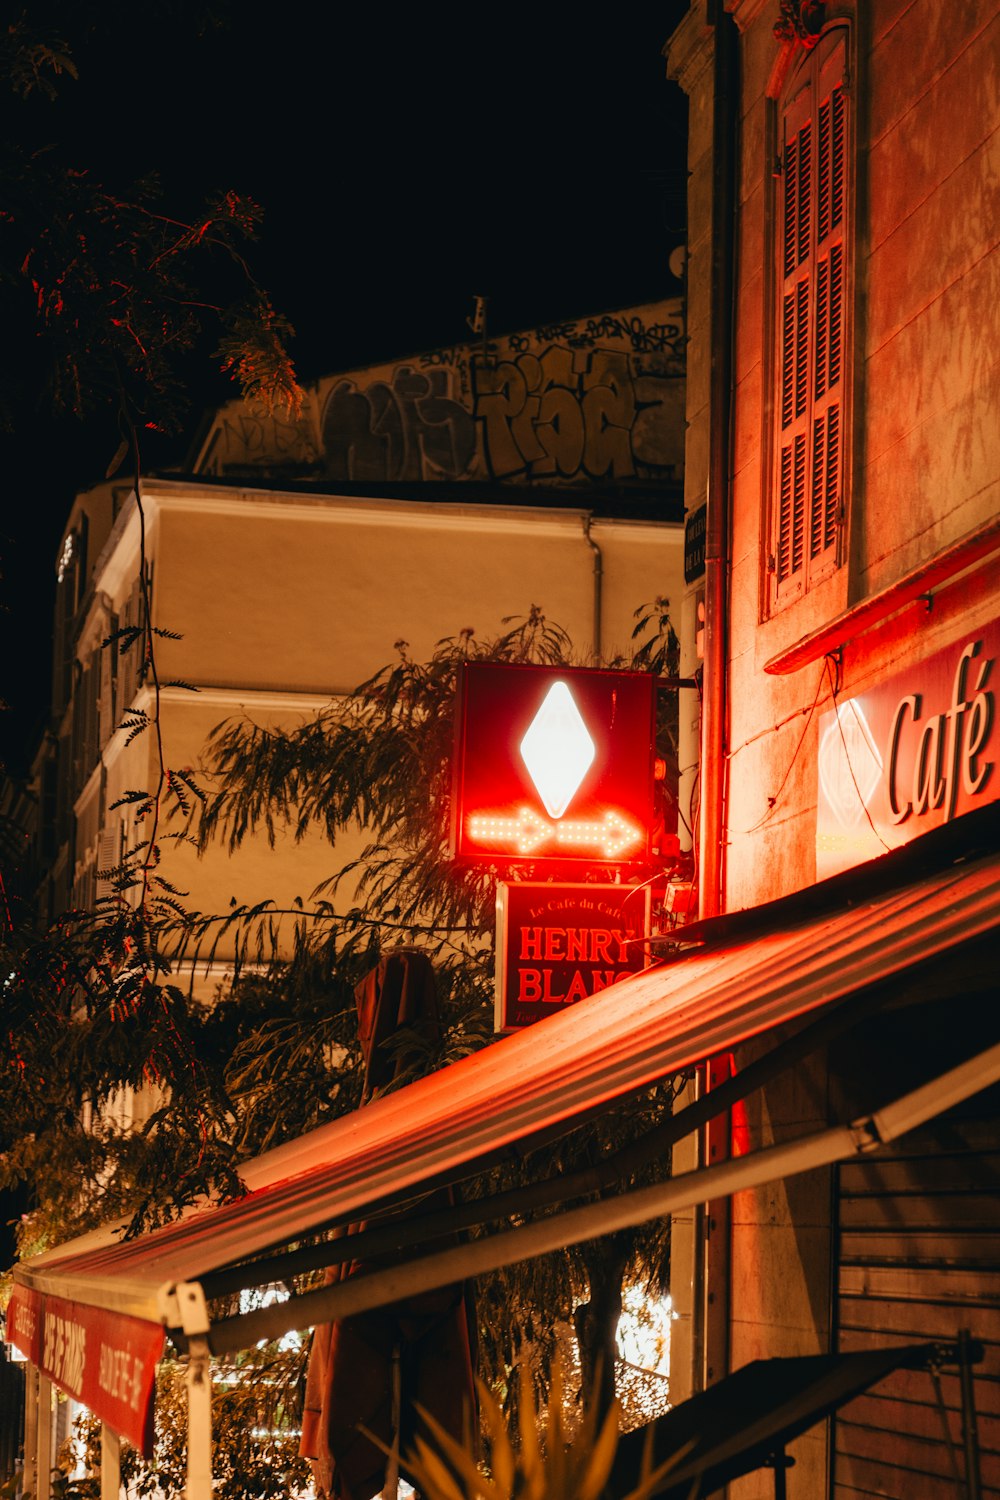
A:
x,y
311,596
283,603
930,456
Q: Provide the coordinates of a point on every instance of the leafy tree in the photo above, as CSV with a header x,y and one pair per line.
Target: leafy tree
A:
x,y
119,292
91,1007
381,761
107,285
114,294
254,1399
108,290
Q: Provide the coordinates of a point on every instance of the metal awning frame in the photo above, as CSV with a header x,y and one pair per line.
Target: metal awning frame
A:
x,y
536,1084
391,1235
186,1315
958,905
185,1311
369,1290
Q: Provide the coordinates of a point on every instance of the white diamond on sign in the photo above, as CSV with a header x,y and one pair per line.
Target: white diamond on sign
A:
x,y
850,766
557,750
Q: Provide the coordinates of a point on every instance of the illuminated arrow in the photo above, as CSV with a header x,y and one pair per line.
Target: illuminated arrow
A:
x,y
526,832
610,836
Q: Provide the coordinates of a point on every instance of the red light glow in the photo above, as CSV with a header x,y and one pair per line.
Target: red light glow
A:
x,y
553,764
608,837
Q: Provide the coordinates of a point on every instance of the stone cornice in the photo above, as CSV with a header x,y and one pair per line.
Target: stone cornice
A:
x,y
688,52
745,12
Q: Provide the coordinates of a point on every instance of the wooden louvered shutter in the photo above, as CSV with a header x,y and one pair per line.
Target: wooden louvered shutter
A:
x,y
130,652
123,691
110,707
90,691
827,419
108,859
796,319
810,420
105,702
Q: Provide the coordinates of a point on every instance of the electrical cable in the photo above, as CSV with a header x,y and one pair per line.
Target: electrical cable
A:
x,y
843,740
772,802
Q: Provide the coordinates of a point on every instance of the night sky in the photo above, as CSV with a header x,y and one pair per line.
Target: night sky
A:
x,y
406,159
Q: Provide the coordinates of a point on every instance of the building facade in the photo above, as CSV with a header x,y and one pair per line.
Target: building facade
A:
x,y
285,568
843,282
841,478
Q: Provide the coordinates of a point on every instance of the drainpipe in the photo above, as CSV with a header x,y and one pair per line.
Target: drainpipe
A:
x,y
598,584
713,1219
714,714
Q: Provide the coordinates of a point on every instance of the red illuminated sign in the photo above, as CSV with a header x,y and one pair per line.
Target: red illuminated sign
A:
x,y
909,754
553,764
558,943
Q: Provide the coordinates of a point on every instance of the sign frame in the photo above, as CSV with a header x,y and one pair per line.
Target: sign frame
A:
x,y
597,942
609,820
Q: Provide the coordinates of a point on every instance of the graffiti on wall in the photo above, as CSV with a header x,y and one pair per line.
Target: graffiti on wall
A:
x,y
545,418
592,400
632,329
406,427
596,399
242,440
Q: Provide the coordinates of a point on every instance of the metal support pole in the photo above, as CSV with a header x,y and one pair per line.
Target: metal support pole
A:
x,y
715,716
199,1395
554,1232
717,1248
780,1463
184,1304
111,1463
43,1480
970,1427
29,1472
598,587
390,1490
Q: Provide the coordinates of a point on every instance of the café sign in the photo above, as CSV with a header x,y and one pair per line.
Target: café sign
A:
x,y
909,754
559,943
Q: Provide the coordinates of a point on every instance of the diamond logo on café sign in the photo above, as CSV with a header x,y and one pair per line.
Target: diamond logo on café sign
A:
x,y
557,750
850,766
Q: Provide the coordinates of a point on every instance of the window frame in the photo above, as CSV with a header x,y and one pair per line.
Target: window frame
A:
x,y
823,72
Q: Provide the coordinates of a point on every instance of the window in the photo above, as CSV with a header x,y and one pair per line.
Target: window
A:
x,y
807,511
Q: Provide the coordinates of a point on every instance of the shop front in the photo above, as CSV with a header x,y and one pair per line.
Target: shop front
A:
x,y
810,971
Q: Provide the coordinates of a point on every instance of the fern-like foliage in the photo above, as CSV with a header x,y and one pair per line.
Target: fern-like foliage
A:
x,y
547,1457
380,760
92,1007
